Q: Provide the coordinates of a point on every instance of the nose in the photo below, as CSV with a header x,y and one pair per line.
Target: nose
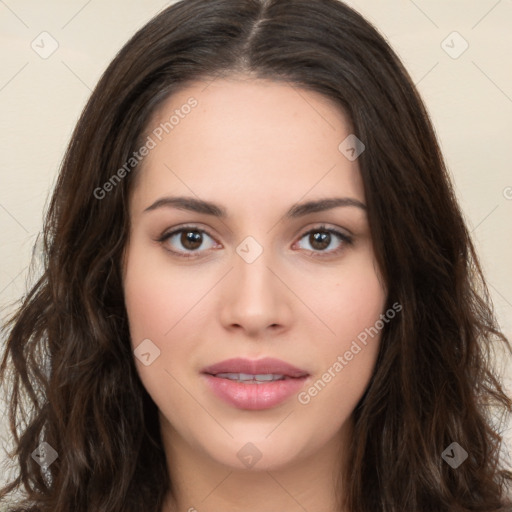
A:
x,y
257,300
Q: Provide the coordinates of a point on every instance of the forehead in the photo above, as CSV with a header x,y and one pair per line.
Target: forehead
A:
x,y
245,141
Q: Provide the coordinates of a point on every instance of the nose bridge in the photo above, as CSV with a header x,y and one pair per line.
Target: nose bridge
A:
x,y
256,298
254,278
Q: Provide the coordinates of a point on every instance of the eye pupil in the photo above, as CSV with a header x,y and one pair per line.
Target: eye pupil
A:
x,y
191,239
320,240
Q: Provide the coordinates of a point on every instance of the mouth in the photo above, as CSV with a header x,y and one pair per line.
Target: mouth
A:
x,y
254,384
248,378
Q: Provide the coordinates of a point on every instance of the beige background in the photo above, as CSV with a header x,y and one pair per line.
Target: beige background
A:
x,y
469,98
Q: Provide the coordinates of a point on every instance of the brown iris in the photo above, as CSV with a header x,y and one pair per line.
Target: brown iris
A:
x,y
191,239
320,240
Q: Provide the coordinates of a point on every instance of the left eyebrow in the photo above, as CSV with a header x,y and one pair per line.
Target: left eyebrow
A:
x,y
296,211
321,205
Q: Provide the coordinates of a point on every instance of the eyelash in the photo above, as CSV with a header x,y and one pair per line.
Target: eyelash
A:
x,y
345,239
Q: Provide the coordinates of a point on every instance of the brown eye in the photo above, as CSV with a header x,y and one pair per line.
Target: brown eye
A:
x,y
191,240
187,241
320,239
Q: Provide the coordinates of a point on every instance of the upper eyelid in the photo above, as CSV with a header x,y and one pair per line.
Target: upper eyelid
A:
x,y
197,227
173,231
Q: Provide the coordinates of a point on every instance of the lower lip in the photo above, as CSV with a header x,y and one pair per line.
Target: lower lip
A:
x,y
254,396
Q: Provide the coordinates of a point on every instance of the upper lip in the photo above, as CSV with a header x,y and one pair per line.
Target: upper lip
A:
x,y
267,365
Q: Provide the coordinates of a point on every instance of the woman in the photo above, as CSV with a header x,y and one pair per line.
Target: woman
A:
x,y
259,292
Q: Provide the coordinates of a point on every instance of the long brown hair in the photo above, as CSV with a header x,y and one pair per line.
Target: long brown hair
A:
x,y
68,362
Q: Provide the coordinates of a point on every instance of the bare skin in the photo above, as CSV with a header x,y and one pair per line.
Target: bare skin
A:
x,y
256,148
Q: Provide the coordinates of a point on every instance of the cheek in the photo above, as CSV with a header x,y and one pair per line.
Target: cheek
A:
x,y
360,301
162,302
351,307
148,306
156,309
156,294
347,301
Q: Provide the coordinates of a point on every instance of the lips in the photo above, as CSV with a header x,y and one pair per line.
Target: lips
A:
x,y
256,367
254,385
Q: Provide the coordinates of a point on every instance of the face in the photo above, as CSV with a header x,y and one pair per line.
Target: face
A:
x,y
241,279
